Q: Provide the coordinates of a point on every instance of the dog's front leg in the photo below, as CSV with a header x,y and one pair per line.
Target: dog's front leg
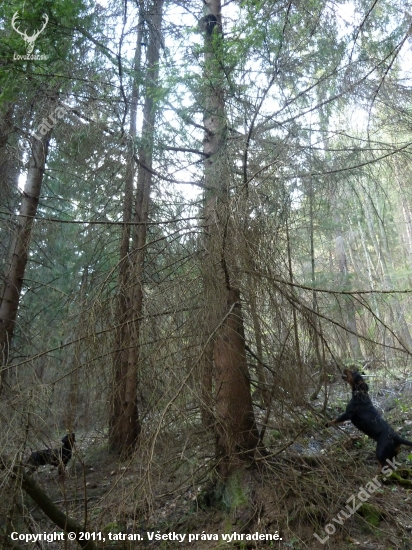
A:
x,y
342,418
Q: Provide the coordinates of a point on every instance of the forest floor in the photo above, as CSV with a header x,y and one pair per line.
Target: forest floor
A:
x,y
309,488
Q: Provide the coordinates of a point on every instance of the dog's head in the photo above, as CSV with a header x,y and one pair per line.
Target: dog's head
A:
x,y
355,380
69,439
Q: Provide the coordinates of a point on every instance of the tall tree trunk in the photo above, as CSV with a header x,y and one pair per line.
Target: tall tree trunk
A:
x,y
141,215
316,327
397,318
380,271
9,174
235,427
125,424
8,168
19,249
236,430
349,308
118,441
401,327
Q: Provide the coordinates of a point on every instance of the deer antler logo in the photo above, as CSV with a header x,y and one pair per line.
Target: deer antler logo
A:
x,y
30,40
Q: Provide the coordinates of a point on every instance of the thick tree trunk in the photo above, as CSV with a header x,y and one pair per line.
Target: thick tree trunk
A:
x,y
125,425
122,437
9,175
19,249
235,428
236,431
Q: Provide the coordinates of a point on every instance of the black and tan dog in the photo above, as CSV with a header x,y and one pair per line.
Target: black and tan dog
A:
x,y
55,457
367,419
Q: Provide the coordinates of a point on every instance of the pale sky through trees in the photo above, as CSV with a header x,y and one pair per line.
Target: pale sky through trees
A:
x,y
218,225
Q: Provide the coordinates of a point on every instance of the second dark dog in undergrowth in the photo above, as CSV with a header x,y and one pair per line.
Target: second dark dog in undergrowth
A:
x,y
55,457
361,412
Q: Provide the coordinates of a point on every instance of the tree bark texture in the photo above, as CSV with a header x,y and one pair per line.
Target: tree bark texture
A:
x,y
19,249
235,427
236,431
124,427
125,423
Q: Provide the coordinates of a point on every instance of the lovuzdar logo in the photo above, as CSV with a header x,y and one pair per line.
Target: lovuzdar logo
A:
x,y
29,40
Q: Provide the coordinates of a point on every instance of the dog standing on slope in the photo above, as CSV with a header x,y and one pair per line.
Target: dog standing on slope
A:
x,y
55,457
361,412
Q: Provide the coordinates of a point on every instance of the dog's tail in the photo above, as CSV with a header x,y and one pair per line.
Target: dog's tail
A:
x,y
403,441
